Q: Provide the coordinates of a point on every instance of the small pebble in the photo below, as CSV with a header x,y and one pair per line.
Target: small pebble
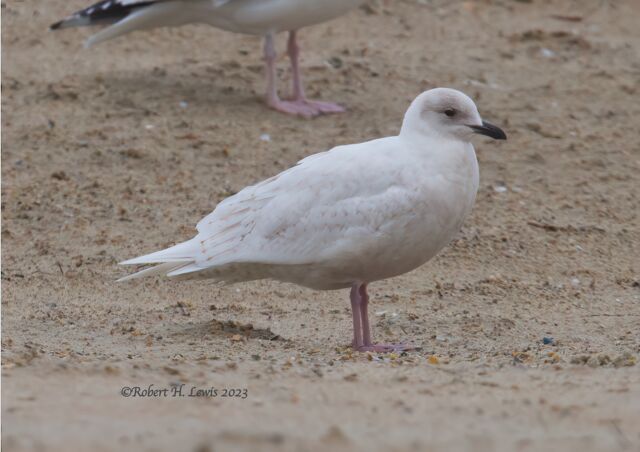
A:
x,y
547,53
548,340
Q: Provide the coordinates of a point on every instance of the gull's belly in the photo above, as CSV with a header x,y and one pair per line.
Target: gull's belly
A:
x,y
263,16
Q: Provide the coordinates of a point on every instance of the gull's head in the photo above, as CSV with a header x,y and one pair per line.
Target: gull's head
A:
x,y
447,113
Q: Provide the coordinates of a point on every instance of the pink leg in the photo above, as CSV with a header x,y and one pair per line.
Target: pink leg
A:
x,y
270,59
361,330
273,100
364,315
355,311
299,95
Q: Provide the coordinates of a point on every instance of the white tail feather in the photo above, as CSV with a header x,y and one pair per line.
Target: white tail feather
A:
x,y
170,260
156,270
180,253
183,270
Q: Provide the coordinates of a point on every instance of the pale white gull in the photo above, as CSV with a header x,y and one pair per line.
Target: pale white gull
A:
x,y
349,216
257,17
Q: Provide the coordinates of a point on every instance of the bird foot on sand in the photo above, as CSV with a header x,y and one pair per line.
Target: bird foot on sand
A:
x,y
384,348
305,108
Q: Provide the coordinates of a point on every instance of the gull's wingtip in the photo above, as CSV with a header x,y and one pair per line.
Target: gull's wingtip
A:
x,y
159,269
124,278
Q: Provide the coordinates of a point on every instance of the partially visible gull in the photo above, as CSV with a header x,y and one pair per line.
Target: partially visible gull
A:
x,y
346,217
256,17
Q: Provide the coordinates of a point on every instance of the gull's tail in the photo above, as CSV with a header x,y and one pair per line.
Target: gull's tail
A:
x,y
125,16
170,260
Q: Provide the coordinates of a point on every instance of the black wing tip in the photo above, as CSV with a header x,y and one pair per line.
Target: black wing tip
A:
x,y
103,12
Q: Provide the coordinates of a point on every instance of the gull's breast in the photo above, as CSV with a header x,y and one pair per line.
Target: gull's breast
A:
x,y
434,211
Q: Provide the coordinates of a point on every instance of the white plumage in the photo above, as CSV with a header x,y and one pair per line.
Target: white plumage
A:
x,y
349,216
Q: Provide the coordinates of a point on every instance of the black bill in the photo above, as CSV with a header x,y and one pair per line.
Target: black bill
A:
x,y
490,130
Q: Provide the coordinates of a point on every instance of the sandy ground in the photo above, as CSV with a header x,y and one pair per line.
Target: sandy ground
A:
x,y
120,150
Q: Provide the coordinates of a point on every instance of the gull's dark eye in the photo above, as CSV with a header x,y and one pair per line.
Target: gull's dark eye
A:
x,y
450,112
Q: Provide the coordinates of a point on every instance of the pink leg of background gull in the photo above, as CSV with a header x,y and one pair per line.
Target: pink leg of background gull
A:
x,y
299,105
361,330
